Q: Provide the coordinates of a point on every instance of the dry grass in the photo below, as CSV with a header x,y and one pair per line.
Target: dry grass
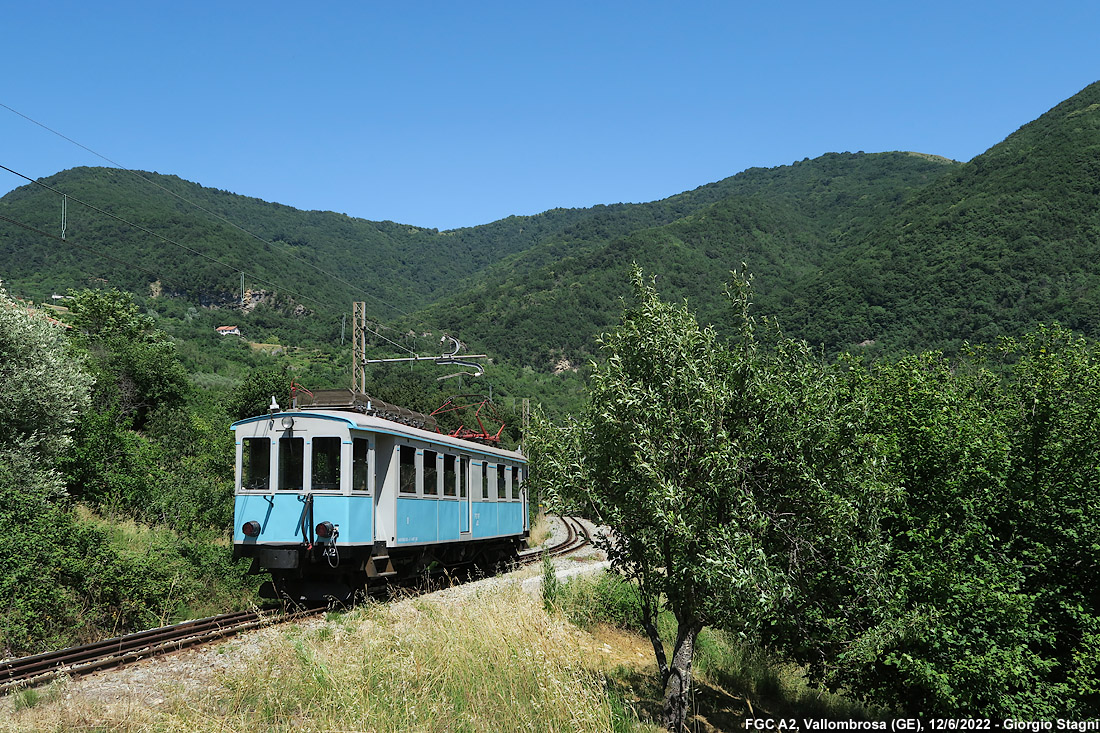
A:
x,y
540,531
494,662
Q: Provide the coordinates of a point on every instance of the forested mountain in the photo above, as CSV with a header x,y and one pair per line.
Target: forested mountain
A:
x,y
325,260
847,251
548,303
404,265
1005,241
901,250
400,264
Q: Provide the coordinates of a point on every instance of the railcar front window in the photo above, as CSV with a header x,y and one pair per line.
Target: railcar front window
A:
x,y
431,482
449,475
256,464
325,473
502,489
359,464
291,463
515,482
408,469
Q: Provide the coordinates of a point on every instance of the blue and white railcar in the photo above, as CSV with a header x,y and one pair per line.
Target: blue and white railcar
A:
x,y
326,500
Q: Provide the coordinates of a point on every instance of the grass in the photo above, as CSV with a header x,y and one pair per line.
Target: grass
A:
x,y
30,697
540,531
735,679
496,660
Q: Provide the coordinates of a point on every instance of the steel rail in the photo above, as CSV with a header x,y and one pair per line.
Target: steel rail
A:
x,y
87,658
577,536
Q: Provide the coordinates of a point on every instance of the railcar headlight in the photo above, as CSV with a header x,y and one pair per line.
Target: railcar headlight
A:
x,y
251,529
324,530
287,422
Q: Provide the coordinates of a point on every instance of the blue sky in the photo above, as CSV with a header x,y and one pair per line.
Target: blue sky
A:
x,y
447,114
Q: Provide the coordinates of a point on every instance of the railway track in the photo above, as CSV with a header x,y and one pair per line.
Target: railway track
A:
x,y
577,536
88,658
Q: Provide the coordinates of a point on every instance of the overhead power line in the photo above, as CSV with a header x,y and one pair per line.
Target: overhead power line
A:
x,y
158,276
216,215
71,243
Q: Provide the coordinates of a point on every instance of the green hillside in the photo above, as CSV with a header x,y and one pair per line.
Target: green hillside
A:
x,y
892,252
904,250
324,260
396,262
548,303
1008,240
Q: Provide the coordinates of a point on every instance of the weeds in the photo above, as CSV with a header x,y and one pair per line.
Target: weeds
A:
x,y
491,662
551,585
540,531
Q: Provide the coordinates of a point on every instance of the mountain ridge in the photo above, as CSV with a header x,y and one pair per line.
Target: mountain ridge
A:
x,y
901,250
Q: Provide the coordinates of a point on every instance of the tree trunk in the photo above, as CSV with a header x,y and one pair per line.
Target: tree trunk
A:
x,y
678,681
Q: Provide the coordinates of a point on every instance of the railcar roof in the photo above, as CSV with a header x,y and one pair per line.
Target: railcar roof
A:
x,y
359,421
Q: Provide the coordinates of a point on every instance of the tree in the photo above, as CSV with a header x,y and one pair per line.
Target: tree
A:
x,y
731,475
253,396
135,364
45,387
992,554
137,373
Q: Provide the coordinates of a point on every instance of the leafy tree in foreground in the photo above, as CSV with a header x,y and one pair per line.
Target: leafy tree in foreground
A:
x,y
994,544
731,475
44,388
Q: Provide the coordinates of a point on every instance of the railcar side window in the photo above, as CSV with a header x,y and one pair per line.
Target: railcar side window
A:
x,y
359,464
463,476
256,463
484,480
431,483
408,469
502,490
449,475
515,482
291,463
326,464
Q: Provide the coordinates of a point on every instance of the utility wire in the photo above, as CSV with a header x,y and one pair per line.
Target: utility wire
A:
x,y
71,243
202,208
158,236
165,239
208,211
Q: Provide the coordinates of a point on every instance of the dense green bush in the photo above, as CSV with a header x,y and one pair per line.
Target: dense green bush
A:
x,y
66,574
991,551
606,598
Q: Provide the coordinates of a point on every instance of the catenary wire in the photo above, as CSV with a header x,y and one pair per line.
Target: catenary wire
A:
x,y
34,229
202,208
71,243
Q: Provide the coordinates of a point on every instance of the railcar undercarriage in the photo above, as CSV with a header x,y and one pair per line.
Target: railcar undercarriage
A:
x,y
323,572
